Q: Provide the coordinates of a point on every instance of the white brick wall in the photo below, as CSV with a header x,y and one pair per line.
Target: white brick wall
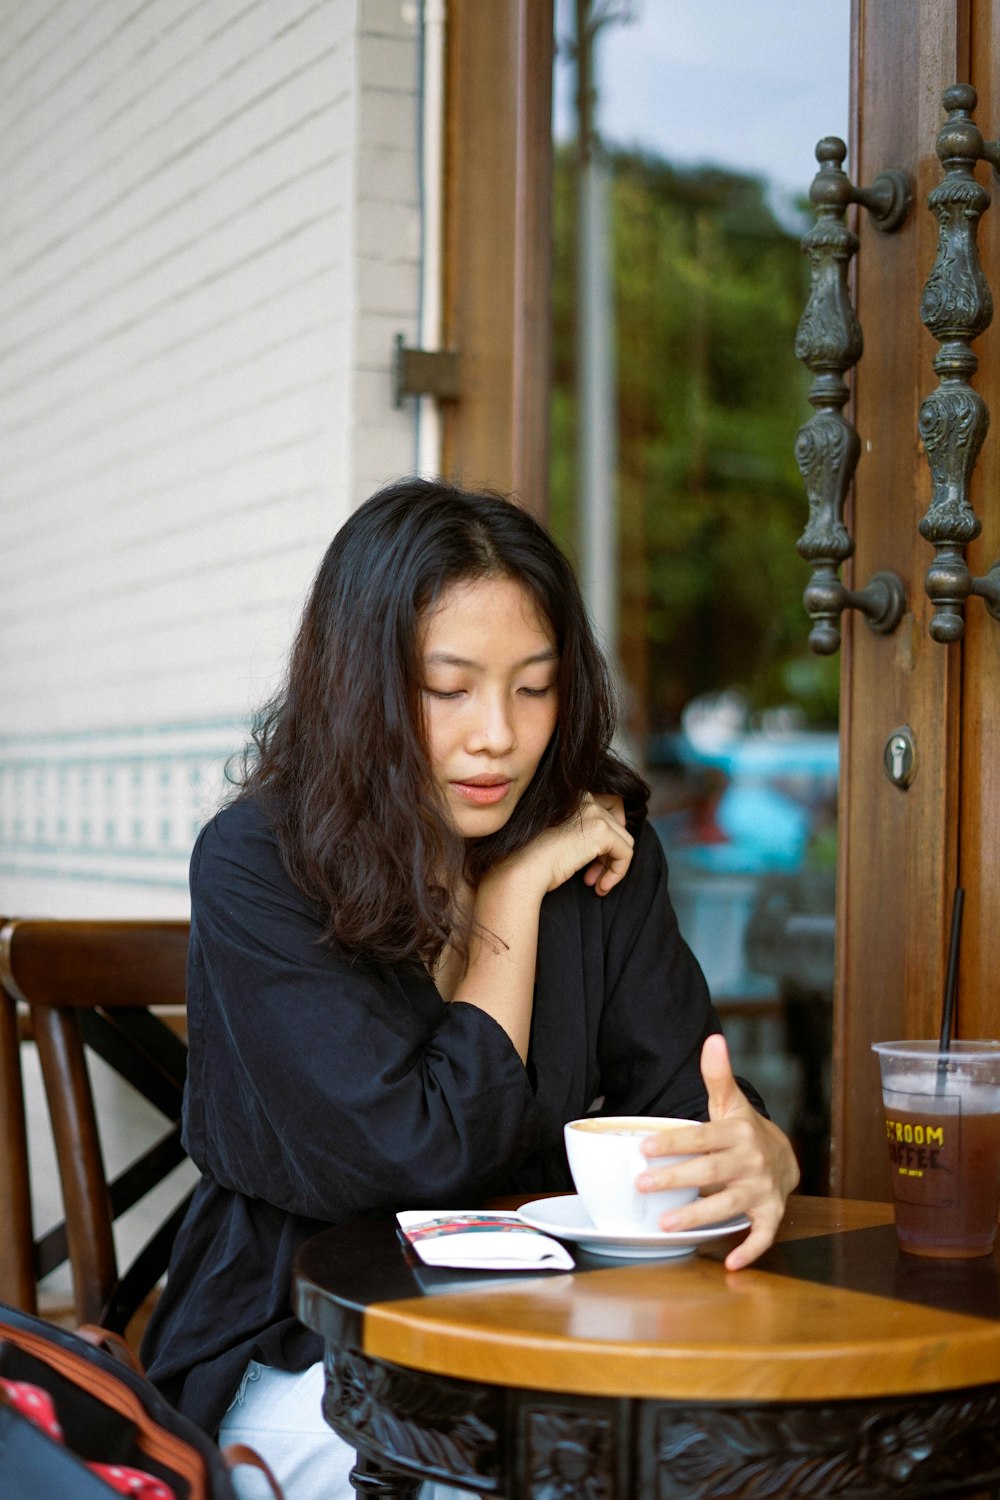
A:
x,y
210,238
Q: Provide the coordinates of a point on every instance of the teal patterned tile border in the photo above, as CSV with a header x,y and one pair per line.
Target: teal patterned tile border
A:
x,y
120,804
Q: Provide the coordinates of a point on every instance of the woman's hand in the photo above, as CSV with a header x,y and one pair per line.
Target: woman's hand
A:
x,y
499,974
594,839
616,807
742,1162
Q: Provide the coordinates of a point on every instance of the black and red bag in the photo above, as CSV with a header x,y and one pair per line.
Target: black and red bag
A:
x,y
79,1419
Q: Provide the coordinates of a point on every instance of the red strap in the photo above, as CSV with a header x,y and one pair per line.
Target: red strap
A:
x,y
35,1404
134,1482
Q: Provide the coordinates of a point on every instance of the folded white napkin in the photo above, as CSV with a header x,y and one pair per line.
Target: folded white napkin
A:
x,y
481,1241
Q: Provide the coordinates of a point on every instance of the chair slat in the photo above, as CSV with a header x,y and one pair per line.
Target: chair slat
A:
x,y
112,1035
51,1250
146,1172
128,1295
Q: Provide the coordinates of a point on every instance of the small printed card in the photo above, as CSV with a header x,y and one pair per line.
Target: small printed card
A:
x,y
481,1241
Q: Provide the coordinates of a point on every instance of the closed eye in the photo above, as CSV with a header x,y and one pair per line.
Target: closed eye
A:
x,y
536,692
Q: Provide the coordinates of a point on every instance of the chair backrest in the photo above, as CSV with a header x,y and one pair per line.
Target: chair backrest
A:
x,y
101,985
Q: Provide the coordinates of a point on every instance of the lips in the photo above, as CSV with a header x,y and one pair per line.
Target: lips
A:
x,y
483,791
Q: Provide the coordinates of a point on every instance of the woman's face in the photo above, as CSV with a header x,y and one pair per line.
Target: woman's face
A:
x,y
489,698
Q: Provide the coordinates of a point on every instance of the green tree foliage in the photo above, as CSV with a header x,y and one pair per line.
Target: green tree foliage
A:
x,y
708,290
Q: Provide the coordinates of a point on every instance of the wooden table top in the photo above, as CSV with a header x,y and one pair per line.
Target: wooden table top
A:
x,y
833,1311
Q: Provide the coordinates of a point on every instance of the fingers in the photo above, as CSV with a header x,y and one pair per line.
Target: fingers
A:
x,y
594,840
760,1238
716,1209
611,871
612,804
711,1156
740,1162
748,1155
705,1212
724,1093
601,822
615,808
684,1140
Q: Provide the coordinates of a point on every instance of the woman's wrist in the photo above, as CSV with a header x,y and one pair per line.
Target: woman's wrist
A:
x,y
522,874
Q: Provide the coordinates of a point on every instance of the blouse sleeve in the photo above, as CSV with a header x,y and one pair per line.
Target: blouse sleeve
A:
x,y
325,1086
657,1010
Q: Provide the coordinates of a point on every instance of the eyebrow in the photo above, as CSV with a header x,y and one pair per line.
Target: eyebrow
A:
x,y
446,659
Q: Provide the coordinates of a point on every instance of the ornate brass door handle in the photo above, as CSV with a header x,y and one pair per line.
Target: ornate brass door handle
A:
x,y
956,307
829,342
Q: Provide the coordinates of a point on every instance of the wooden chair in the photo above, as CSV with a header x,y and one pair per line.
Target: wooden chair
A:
x,y
17,1268
103,985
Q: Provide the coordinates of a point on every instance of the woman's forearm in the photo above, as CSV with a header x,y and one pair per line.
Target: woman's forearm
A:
x,y
499,976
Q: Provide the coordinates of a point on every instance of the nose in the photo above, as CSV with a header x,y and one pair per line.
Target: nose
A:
x,y
492,727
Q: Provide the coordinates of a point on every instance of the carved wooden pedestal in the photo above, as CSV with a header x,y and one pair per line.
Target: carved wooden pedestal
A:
x,y
533,1446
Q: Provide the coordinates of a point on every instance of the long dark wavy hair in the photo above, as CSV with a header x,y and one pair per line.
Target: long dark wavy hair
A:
x,y
338,755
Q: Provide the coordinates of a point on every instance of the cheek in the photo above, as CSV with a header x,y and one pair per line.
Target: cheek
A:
x,y
434,735
543,730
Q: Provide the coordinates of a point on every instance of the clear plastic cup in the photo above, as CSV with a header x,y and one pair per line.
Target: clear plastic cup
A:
x,y
942,1121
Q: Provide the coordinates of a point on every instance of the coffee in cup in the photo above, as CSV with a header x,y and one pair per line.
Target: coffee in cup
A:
x,y
942,1121
605,1160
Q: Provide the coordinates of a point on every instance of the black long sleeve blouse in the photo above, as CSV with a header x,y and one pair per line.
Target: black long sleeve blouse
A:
x,y
322,1087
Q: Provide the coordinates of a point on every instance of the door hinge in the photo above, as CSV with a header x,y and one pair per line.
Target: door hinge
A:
x,y
424,372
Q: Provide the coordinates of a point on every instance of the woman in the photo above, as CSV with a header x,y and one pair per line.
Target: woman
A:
x,y
432,927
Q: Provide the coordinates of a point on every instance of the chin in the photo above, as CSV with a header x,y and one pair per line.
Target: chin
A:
x,y
480,824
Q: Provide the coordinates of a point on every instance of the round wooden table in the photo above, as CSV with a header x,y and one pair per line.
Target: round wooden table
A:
x,y
835,1366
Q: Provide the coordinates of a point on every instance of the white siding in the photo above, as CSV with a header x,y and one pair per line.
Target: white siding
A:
x,y
210,238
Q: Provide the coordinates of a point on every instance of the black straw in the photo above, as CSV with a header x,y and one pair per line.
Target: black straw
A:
x,y
948,1011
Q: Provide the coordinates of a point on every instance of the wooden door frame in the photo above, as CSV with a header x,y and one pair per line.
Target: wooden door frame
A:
x,y
898,850
498,237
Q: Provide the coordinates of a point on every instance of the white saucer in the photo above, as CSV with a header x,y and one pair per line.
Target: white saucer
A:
x,y
567,1219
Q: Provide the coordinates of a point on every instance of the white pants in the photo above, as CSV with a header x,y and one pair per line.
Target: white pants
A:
x,y
280,1415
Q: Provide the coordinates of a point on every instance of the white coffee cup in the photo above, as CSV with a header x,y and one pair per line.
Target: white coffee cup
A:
x,y
605,1160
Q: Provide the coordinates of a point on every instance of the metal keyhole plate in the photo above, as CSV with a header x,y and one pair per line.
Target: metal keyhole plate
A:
x,y
899,758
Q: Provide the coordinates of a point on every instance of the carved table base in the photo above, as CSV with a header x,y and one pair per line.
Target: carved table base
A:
x,y
529,1445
